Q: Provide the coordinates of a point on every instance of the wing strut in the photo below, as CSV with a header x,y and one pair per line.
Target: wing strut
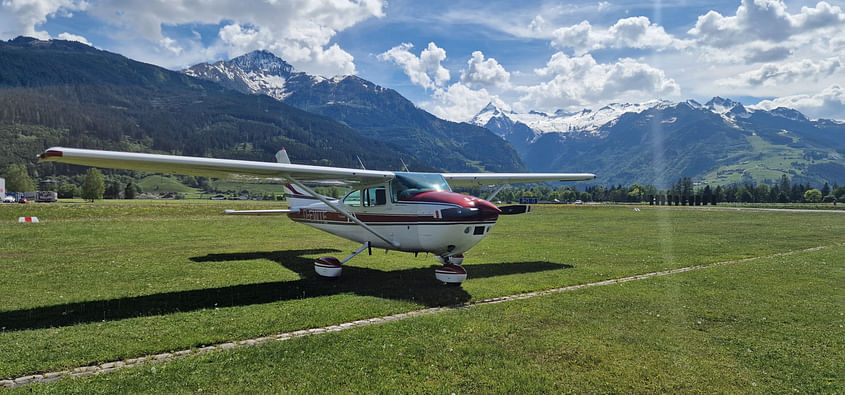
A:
x,y
496,192
343,211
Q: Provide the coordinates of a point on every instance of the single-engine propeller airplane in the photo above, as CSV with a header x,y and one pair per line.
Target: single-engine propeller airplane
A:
x,y
403,211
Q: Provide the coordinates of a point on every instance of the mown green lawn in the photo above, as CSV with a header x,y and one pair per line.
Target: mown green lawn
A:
x,y
106,281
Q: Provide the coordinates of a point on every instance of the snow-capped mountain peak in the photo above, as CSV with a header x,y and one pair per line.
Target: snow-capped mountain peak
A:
x,y
257,72
720,105
788,113
263,62
487,113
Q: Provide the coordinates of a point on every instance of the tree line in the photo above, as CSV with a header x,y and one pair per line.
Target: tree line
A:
x,y
683,192
119,185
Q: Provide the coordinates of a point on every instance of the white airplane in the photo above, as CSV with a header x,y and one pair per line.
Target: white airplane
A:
x,y
403,211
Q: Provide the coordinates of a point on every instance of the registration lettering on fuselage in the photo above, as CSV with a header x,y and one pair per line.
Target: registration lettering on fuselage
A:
x,y
313,215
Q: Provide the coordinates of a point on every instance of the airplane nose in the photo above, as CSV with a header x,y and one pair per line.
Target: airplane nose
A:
x,y
487,207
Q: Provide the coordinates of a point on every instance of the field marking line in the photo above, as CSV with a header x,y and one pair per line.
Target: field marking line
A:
x,y
169,356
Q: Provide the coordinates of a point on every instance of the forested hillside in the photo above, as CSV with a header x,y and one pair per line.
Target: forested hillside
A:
x,y
66,93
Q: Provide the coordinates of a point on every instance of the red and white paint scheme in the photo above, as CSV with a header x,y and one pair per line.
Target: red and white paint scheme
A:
x,y
402,211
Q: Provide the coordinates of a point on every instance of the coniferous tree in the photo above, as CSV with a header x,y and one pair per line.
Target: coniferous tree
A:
x,y
112,191
825,190
706,195
784,184
129,192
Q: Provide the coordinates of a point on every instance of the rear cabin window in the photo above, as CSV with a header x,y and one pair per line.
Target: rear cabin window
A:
x,y
352,198
375,196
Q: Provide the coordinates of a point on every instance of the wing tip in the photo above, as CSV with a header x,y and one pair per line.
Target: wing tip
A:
x,y
50,153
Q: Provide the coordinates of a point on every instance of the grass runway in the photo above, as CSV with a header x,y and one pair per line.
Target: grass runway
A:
x,y
113,280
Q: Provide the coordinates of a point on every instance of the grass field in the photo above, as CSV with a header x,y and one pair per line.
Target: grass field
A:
x,y
108,281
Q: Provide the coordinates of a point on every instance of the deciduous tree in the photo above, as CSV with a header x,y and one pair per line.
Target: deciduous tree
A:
x,y
93,186
812,196
18,179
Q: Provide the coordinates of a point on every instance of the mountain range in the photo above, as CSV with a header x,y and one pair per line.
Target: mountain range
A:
x,y
374,111
66,93
658,142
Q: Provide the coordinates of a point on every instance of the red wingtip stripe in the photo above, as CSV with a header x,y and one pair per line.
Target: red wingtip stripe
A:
x,y
51,153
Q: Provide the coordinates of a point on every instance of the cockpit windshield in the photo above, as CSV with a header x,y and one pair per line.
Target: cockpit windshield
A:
x,y
408,184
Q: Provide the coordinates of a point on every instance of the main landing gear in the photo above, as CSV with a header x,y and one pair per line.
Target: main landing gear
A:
x,y
329,266
451,273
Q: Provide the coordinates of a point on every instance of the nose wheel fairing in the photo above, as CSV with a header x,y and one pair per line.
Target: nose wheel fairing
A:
x,y
450,274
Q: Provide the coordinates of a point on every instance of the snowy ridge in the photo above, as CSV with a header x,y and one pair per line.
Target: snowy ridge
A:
x,y
584,121
591,122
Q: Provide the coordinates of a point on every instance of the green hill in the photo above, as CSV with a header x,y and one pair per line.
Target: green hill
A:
x,y
69,94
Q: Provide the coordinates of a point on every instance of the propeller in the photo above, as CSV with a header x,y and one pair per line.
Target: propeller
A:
x,y
515,209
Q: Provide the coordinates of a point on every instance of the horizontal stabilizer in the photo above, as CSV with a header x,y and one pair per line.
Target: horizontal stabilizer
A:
x,y
258,212
515,209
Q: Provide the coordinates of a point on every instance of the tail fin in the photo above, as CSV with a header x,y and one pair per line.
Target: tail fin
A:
x,y
282,156
296,197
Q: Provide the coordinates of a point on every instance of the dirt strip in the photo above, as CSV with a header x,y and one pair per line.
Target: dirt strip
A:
x,y
169,356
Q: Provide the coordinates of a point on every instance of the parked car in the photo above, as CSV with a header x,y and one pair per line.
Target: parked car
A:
x,y
23,201
218,197
9,199
579,202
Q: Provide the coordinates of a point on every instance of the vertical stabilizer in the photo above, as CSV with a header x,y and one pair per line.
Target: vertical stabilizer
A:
x,y
282,156
296,198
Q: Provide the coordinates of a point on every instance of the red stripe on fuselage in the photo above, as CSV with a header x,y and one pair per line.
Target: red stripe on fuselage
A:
x,y
308,215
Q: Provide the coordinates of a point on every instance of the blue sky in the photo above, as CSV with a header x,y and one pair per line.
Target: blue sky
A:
x,y
452,58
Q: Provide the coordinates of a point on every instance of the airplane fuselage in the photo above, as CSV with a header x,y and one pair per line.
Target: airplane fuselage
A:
x,y
425,222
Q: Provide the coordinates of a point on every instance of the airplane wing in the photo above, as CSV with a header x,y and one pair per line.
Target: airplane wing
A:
x,y
473,179
215,168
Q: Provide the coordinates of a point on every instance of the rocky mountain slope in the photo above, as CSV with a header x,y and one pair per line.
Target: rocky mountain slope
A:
x,y
374,111
657,142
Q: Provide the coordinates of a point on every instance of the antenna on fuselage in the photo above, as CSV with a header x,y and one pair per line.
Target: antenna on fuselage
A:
x,y
404,166
362,163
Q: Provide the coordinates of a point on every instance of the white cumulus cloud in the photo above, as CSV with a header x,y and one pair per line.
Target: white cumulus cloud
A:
x,y
580,81
459,103
483,72
300,31
73,37
634,32
22,17
830,103
771,74
765,20
424,70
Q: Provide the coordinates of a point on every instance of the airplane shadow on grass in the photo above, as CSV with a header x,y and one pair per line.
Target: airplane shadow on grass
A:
x,y
415,284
